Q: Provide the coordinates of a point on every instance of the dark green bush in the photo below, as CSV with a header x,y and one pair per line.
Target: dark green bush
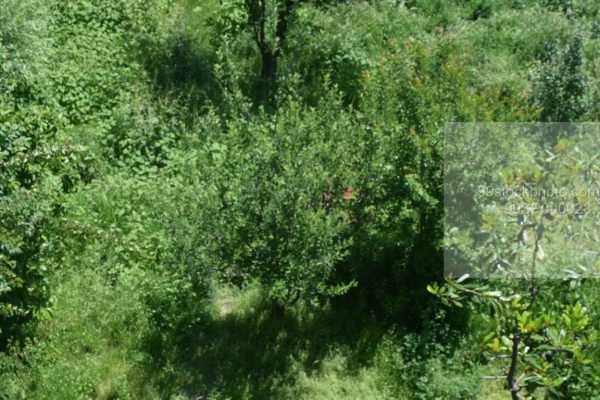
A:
x,y
428,365
559,82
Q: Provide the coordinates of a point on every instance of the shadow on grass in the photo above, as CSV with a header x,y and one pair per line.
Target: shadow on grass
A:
x,y
242,348
254,353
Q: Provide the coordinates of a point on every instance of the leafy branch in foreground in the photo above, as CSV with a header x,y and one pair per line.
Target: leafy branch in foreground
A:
x,y
547,347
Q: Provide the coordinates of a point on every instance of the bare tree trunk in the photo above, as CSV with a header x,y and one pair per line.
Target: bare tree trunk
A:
x,y
268,72
513,385
269,52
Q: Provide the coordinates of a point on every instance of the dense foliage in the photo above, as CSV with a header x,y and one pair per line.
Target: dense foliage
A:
x,y
206,199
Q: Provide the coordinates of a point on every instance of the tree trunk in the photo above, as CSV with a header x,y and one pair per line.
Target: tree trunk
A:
x,y
513,385
268,73
270,52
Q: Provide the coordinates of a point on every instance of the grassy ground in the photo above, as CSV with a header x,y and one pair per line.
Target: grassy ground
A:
x,y
92,348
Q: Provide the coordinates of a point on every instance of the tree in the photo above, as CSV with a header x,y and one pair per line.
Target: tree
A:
x,y
270,28
530,240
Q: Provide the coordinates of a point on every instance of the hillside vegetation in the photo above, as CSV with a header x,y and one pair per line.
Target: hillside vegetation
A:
x,y
244,199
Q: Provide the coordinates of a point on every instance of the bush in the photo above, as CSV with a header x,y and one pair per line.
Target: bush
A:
x,y
430,369
108,94
267,199
37,166
559,83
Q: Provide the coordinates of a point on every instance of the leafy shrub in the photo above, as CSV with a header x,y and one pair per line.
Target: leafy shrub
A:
x,y
108,94
430,370
324,45
37,166
559,83
269,196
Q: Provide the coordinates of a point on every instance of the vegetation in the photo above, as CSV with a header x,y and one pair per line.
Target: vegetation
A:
x,y
258,199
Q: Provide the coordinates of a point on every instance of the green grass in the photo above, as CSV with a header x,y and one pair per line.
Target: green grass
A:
x,y
89,348
95,346
243,349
